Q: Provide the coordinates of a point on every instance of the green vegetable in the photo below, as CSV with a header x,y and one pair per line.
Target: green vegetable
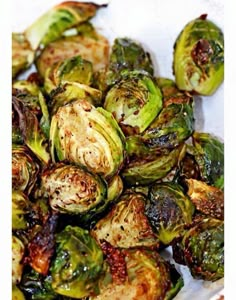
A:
x,y
168,211
18,251
199,57
17,293
21,207
77,264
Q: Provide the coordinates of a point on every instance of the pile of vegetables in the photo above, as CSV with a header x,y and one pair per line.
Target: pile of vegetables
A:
x,y
107,167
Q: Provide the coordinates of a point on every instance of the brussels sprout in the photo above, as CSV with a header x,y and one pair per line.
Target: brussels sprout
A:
x,y
203,247
41,246
127,54
32,97
32,134
21,207
147,169
199,57
135,101
77,264
172,126
37,287
17,293
207,199
72,189
71,91
25,169
126,224
93,48
74,69
22,54
83,134
168,210
18,251
209,156
145,276
51,25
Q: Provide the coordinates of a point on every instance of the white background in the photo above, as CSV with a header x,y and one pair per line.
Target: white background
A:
x,y
156,24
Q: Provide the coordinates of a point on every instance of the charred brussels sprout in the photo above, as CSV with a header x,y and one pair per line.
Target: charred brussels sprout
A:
x,y
134,102
74,69
25,169
93,48
22,54
77,264
127,54
140,274
51,25
126,224
18,251
21,207
168,210
83,134
208,199
209,156
203,247
143,170
199,57
72,189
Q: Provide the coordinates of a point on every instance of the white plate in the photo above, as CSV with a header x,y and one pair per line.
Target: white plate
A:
x,y
155,24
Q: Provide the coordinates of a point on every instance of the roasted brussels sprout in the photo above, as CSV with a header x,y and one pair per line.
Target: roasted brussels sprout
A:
x,y
203,248
209,156
74,69
72,189
25,169
93,47
22,54
168,210
207,199
83,134
51,25
18,251
135,101
148,168
136,274
199,57
126,225
127,54
17,293
71,91
77,264
21,207
172,126
31,131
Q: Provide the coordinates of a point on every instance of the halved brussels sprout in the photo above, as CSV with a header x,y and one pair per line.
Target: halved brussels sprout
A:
x,y
150,167
72,189
18,251
17,293
74,69
168,211
209,156
172,126
127,54
71,91
22,54
51,25
21,207
32,133
199,57
140,274
207,199
93,48
77,264
126,225
203,247
135,101
25,169
83,134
